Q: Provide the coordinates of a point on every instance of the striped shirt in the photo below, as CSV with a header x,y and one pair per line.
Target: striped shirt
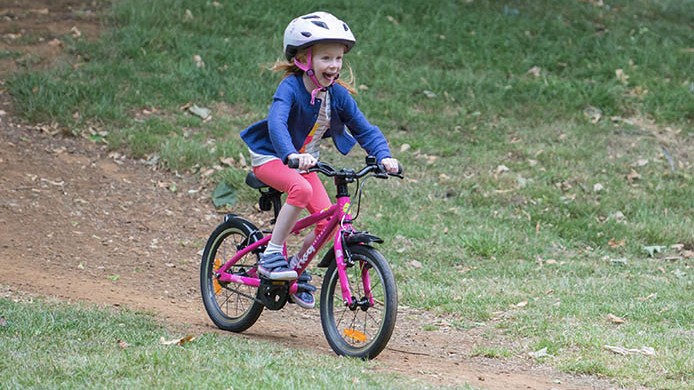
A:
x,y
312,142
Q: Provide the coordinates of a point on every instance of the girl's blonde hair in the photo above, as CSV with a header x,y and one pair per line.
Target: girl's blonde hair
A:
x,y
289,69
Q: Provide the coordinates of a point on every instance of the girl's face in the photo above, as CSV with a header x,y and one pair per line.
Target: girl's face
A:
x,y
327,61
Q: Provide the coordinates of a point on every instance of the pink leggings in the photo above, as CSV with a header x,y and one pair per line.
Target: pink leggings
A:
x,y
304,190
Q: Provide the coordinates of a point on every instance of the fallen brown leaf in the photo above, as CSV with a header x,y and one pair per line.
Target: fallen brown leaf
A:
x,y
501,169
416,264
632,176
593,114
227,161
648,351
615,244
621,76
614,319
534,71
648,298
181,341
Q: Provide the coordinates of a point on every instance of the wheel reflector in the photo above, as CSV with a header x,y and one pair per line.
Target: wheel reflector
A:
x,y
355,335
215,282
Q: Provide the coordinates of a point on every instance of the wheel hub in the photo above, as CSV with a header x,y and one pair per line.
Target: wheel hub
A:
x,y
362,304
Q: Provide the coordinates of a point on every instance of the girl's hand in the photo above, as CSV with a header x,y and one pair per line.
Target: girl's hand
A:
x,y
390,164
306,161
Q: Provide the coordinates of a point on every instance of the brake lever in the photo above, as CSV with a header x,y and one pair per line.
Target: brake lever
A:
x,y
400,174
380,172
325,168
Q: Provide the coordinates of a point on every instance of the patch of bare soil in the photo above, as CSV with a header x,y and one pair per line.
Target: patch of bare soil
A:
x,y
78,223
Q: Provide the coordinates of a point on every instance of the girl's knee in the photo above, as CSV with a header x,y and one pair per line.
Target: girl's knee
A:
x,y
300,194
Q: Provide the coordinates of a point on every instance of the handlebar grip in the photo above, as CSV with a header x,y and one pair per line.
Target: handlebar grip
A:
x,y
293,163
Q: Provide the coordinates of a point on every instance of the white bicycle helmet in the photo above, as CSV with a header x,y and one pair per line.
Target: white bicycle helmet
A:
x,y
313,28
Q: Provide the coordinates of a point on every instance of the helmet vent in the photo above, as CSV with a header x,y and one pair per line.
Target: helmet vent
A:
x,y
320,24
306,34
345,27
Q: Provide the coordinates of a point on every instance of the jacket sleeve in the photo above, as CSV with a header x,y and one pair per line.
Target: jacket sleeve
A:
x,y
368,135
278,121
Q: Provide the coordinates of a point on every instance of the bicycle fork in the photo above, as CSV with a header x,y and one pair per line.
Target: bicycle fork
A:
x,y
342,269
343,262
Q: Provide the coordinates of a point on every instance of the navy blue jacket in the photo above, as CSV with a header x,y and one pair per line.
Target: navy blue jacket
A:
x,y
291,118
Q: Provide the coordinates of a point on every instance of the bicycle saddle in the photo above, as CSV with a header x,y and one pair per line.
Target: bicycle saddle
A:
x,y
253,181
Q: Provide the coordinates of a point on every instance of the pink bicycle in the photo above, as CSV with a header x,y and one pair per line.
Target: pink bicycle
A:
x,y
358,298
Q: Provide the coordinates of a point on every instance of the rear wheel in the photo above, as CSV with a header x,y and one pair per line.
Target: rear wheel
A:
x,y
231,306
362,329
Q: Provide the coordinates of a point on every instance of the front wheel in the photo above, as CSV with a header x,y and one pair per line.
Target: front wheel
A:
x,y
362,329
230,306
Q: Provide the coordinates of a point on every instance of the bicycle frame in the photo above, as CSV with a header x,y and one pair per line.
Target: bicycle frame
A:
x,y
357,317
339,222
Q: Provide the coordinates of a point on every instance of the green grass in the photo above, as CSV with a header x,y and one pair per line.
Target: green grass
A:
x,y
52,345
513,190
491,352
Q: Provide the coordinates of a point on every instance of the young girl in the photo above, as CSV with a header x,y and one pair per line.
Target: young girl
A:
x,y
309,105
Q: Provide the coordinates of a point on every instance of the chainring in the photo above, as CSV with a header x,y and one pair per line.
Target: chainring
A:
x,y
273,293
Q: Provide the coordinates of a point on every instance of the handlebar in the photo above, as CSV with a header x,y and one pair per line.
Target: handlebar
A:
x,y
372,166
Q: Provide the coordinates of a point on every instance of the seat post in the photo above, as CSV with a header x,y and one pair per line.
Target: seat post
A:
x,y
270,198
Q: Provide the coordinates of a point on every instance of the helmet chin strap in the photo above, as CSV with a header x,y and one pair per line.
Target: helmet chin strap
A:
x,y
308,69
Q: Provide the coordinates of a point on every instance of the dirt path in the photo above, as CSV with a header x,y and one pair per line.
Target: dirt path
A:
x,y
81,224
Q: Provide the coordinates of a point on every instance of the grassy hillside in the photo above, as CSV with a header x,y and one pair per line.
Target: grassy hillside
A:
x,y
547,145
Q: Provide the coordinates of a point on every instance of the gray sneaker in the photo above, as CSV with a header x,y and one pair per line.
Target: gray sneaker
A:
x,y
274,266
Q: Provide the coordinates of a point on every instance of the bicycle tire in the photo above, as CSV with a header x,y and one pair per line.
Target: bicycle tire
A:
x,y
362,332
229,305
